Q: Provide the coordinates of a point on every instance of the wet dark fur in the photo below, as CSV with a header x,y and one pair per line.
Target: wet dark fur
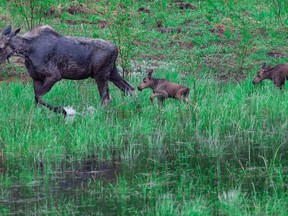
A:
x,y
50,57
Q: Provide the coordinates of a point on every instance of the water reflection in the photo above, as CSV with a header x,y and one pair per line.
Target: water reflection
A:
x,y
121,186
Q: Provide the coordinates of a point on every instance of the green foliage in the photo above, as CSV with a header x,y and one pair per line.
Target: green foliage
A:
x,y
279,8
32,12
121,24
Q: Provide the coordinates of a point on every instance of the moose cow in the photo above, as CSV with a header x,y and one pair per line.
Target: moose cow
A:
x,y
277,74
163,88
50,57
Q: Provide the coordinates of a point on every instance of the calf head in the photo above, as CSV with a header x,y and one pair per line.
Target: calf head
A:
x,y
147,81
5,38
262,74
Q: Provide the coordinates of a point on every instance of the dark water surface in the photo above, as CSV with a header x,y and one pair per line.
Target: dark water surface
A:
x,y
121,187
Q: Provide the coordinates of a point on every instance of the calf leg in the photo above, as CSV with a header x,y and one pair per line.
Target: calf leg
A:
x,y
120,82
104,91
279,82
160,95
183,93
41,88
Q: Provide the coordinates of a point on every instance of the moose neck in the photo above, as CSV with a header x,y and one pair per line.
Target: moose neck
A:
x,y
154,83
268,74
20,47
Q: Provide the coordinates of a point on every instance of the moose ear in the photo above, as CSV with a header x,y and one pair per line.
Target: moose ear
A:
x,y
14,33
263,65
7,30
150,71
17,31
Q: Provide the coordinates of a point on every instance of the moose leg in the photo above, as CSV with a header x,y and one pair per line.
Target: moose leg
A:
x,y
120,82
183,93
279,82
104,91
41,88
160,95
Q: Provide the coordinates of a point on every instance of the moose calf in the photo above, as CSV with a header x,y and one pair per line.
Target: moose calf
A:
x,y
163,88
277,74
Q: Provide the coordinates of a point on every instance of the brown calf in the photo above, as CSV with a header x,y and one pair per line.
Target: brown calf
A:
x,y
277,74
163,88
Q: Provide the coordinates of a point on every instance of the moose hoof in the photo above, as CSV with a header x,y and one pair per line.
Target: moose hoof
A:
x,y
69,111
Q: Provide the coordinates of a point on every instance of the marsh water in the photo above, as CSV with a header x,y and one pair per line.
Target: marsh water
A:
x,y
120,186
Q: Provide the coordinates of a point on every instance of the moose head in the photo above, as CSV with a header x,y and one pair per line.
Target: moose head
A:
x,y
5,42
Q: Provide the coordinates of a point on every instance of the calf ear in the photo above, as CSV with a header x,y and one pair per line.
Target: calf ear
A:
x,y
7,30
263,65
150,71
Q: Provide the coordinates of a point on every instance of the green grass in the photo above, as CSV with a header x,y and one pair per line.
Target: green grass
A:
x,y
225,154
